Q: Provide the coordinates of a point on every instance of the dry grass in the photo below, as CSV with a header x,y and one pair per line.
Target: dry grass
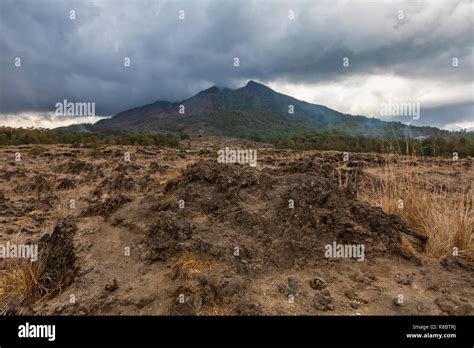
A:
x,y
435,206
215,311
66,208
188,267
23,280
20,280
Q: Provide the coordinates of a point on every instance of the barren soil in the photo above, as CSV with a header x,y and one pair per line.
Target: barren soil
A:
x,y
173,232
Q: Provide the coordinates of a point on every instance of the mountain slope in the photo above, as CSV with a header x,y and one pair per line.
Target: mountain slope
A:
x,y
254,111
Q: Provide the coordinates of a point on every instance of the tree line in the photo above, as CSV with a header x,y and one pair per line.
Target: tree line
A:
x,y
461,143
22,136
434,145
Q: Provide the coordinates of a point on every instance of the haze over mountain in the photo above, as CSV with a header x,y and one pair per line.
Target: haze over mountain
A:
x,y
253,111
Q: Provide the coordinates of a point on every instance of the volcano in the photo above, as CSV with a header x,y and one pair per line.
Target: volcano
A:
x,y
252,111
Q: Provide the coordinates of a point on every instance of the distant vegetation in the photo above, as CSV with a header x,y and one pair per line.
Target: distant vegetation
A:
x,y
21,136
393,142
435,145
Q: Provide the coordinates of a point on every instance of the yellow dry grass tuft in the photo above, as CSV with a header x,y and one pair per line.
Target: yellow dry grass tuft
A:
x,y
20,280
188,267
443,212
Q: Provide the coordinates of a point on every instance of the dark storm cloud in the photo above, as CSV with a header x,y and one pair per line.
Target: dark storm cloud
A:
x,y
171,59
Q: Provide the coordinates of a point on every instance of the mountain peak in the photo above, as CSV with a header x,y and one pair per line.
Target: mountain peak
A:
x,y
213,89
206,92
253,83
257,87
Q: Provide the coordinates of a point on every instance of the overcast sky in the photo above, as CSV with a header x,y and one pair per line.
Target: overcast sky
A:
x,y
397,51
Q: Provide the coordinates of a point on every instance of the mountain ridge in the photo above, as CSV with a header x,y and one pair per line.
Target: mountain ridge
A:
x,y
251,111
